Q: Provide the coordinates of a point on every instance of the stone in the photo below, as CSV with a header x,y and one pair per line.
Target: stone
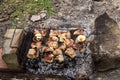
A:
x,y
6,47
106,43
11,60
15,35
2,63
52,23
108,75
35,18
43,15
116,3
17,38
10,45
60,14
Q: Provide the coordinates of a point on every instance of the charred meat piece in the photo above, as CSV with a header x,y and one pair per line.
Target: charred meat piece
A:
x,y
37,35
36,45
79,32
48,57
63,46
69,42
70,52
59,58
32,53
33,45
68,35
43,32
52,44
53,33
63,36
80,39
57,52
53,38
47,49
78,47
47,54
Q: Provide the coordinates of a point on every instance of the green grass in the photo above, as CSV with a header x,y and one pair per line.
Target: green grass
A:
x,y
28,6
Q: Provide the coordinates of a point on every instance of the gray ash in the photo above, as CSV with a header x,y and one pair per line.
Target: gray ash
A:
x,y
68,68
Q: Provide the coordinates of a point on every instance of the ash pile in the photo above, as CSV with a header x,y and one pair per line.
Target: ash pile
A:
x,y
57,52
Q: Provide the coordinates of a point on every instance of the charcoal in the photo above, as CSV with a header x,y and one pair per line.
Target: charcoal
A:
x,y
69,68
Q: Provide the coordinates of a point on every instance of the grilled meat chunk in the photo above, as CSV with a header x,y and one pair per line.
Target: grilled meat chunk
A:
x,y
70,52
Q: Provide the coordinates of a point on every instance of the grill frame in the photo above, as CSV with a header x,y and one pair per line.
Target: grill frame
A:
x,y
23,50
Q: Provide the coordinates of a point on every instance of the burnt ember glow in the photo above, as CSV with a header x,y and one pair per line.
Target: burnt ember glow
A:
x,y
53,52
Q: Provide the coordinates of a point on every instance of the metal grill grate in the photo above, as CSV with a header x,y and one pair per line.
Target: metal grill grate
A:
x,y
68,69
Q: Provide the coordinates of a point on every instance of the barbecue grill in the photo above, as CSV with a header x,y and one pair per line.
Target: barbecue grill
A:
x,y
69,68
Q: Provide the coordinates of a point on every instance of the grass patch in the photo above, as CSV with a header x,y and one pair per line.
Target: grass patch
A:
x,y
28,6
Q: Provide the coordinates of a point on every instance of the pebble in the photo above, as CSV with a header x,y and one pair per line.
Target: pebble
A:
x,y
35,18
60,14
43,15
